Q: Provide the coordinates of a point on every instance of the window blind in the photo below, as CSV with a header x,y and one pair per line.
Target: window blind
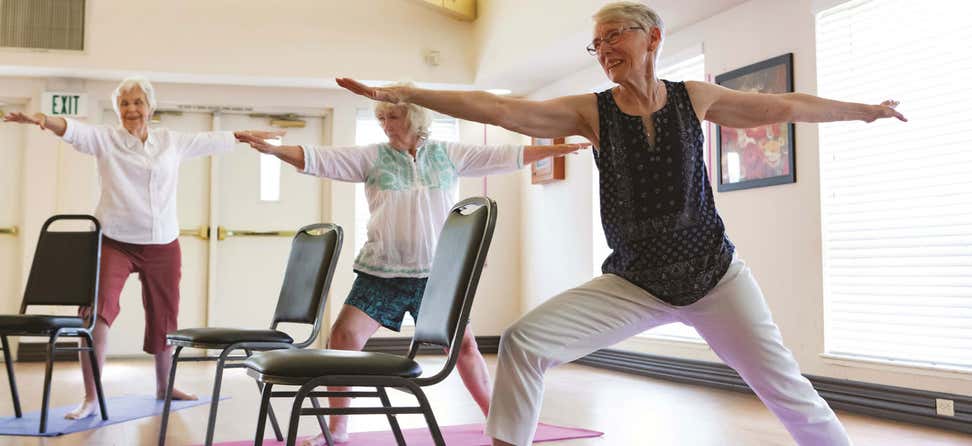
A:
x,y
896,198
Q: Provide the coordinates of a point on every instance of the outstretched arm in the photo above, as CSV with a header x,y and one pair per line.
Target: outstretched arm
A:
x,y
52,123
738,109
533,154
563,116
293,155
345,163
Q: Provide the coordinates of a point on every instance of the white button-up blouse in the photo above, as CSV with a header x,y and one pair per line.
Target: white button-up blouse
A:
x,y
409,199
139,181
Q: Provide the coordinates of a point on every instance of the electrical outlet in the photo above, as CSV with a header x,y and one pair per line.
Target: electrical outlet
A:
x,y
945,408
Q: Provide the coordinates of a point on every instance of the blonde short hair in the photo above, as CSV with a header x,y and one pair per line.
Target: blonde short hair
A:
x,y
130,83
635,12
419,118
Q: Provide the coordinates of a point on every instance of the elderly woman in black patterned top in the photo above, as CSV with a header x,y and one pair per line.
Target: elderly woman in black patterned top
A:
x,y
672,260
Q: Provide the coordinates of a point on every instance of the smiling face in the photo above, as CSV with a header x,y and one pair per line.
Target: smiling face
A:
x,y
624,50
133,109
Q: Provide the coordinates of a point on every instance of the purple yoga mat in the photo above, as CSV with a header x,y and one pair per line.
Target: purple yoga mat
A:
x,y
462,435
120,409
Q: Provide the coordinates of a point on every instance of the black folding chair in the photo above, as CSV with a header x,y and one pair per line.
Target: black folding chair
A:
x,y
448,298
64,273
313,256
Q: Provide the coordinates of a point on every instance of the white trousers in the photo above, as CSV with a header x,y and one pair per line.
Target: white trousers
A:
x,y
733,318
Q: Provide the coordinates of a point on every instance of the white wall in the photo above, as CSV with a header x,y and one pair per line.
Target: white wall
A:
x,y
776,229
497,302
525,45
310,40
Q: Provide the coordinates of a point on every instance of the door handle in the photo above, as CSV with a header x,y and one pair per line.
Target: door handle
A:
x,y
202,232
13,230
223,233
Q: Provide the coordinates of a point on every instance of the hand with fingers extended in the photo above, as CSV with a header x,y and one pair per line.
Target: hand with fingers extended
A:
x,y
886,109
393,94
258,139
38,119
565,149
535,153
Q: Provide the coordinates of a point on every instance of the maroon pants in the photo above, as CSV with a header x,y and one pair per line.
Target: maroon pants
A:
x,y
159,268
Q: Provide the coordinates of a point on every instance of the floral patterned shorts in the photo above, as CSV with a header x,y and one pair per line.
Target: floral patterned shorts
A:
x,y
386,299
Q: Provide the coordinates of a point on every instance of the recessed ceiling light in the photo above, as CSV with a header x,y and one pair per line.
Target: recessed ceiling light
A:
x,y
499,91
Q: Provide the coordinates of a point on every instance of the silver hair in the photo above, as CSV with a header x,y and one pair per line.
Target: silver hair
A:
x,y
419,118
636,12
129,83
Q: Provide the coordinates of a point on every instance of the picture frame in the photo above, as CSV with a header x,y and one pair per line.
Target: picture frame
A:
x,y
759,156
550,169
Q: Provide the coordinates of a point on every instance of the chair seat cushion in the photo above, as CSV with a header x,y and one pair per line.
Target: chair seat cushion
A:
x,y
311,363
37,323
227,336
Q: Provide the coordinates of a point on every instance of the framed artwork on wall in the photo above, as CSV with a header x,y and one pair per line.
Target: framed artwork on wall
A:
x,y
759,156
547,170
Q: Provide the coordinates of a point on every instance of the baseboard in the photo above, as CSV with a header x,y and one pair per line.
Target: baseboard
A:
x,y
889,402
399,345
894,403
37,352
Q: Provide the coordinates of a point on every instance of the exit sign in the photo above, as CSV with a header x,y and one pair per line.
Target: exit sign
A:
x,y
65,104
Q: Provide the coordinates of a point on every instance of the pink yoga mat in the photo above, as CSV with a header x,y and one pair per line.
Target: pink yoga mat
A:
x,y
462,435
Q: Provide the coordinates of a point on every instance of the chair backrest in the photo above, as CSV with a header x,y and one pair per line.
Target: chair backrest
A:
x,y
65,267
313,256
456,267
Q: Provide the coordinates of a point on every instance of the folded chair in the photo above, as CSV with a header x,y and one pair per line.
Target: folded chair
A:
x,y
313,256
449,293
64,273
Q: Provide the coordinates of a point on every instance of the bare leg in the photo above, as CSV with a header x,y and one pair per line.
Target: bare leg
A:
x,y
90,402
473,371
501,443
350,332
163,364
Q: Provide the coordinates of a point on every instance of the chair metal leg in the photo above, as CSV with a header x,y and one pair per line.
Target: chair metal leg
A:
x,y
214,404
429,416
392,419
10,376
96,374
320,420
167,406
273,416
262,417
47,384
295,415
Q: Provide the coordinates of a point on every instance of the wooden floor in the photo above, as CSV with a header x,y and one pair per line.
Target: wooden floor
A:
x,y
631,410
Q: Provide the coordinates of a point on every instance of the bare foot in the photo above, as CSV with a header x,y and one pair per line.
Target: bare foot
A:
x,y
178,395
319,440
85,409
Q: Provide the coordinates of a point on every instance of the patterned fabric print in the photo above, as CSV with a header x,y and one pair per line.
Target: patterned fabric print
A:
x,y
436,170
387,299
657,209
393,169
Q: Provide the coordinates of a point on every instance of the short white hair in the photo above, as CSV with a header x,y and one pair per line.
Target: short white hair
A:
x,y
419,118
632,12
129,83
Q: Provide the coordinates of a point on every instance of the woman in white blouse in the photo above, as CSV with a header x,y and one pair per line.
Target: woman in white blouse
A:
x,y
410,183
138,168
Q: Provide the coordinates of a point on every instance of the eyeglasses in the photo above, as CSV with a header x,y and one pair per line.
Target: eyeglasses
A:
x,y
610,38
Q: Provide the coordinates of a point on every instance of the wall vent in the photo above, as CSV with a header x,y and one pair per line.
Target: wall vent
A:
x,y
42,24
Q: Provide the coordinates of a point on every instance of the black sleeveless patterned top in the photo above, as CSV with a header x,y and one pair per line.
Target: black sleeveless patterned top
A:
x,y
656,201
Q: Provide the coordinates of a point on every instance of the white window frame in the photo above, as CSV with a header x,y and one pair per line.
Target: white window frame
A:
x,y
270,174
